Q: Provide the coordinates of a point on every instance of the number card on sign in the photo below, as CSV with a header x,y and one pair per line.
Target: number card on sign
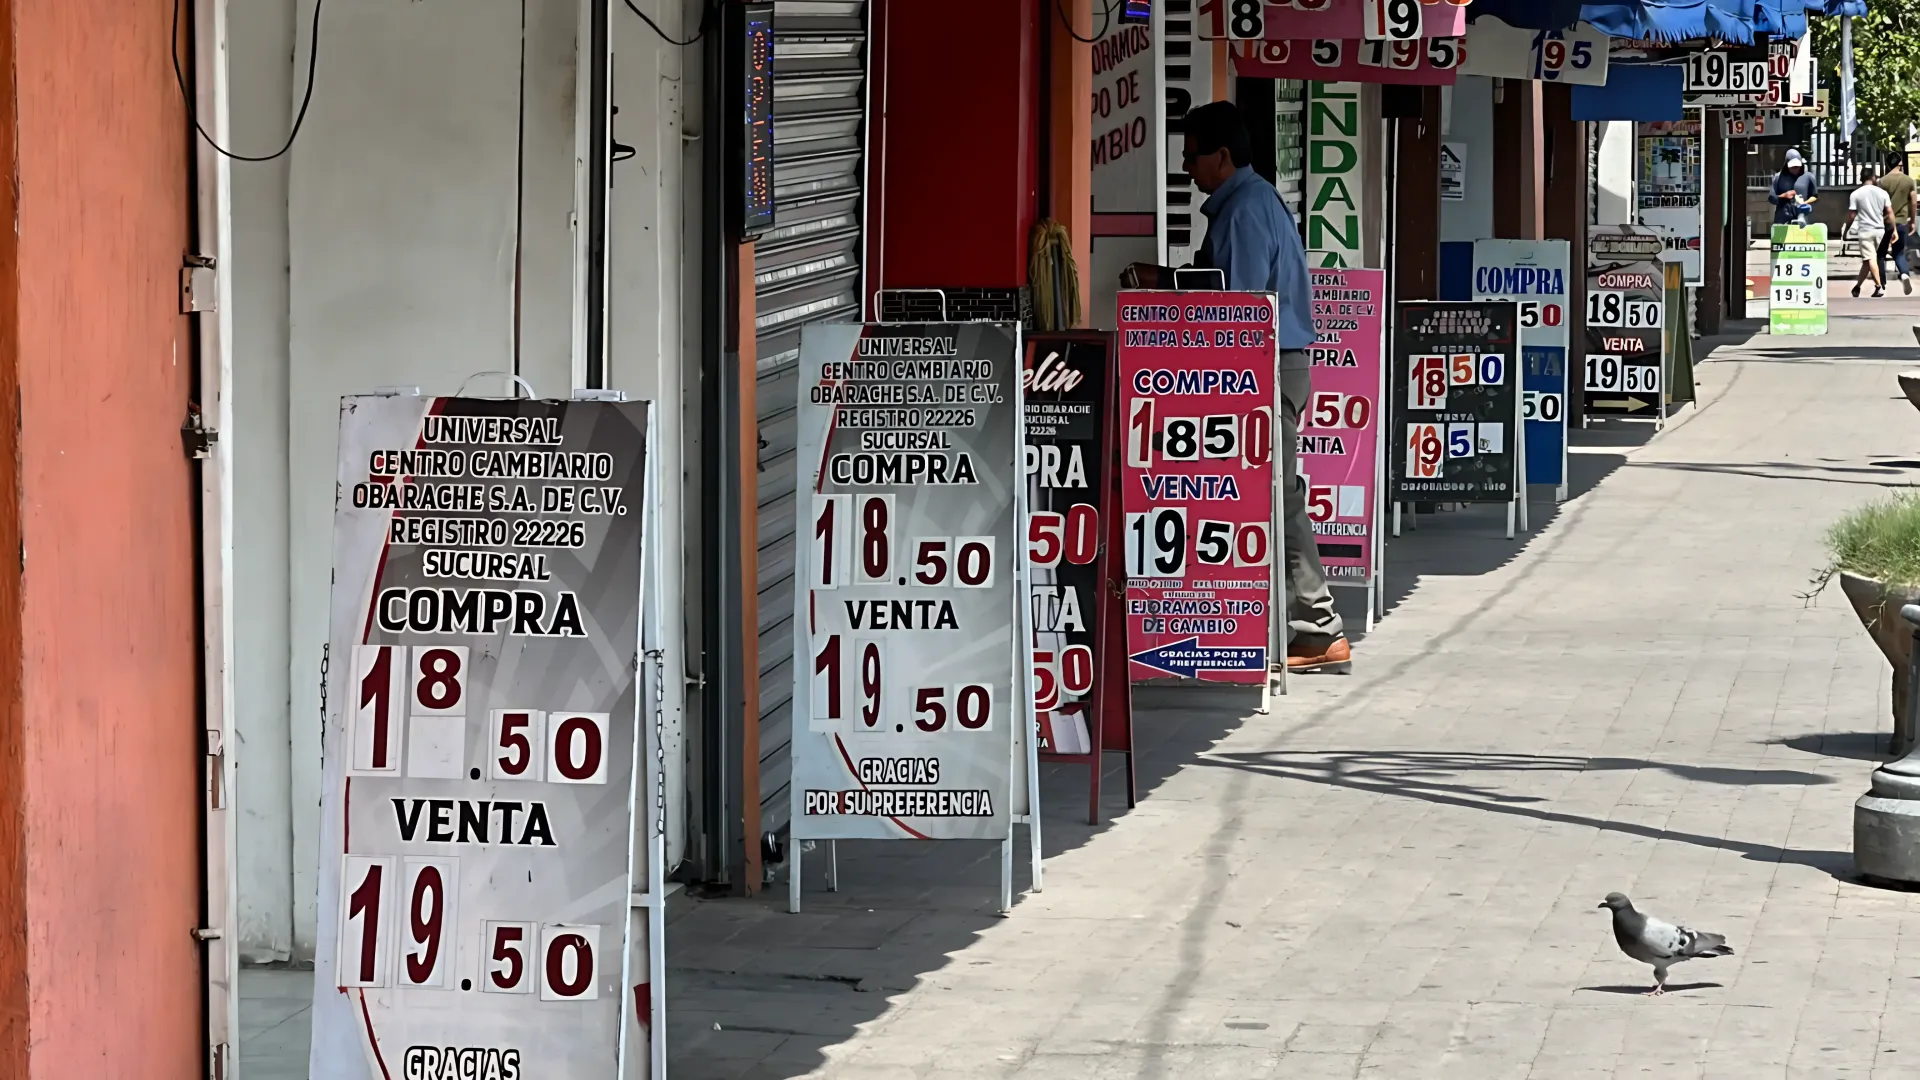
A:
x,y
1067,394
1199,435
910,690
1577,56
1352,20
1456,402
1533,274
1716,73
1341,430
1626,311
1431,61
478,807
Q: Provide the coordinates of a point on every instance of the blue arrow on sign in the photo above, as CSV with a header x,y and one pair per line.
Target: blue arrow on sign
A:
x,y
1188,658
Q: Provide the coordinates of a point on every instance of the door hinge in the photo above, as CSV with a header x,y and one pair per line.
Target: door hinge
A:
x,y
216,770
196,436
199,285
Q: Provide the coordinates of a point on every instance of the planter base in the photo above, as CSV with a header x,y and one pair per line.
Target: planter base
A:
x,y
1879,610
1886,838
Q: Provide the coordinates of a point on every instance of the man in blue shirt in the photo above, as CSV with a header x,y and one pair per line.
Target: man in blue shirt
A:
x,y
1253,239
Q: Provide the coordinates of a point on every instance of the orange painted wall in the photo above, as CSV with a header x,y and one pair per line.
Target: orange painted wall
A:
x,y
105,627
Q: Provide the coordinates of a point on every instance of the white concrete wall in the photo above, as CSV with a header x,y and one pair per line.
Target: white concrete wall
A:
x,y
1470,121
654,332
260,35
429,195
1614,204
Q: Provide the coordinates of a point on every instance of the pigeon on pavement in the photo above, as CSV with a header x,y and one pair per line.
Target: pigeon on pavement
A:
x,y
1662,944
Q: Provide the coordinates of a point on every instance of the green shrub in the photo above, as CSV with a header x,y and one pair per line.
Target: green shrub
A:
x,y
1880,540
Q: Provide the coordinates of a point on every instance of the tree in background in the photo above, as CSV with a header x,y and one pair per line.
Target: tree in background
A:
x,y
1886,69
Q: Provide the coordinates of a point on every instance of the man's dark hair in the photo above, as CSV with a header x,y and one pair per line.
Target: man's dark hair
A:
x,y
1216,125
1896,161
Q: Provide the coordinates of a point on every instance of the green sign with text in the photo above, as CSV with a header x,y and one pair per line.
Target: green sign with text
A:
x,y
1797,303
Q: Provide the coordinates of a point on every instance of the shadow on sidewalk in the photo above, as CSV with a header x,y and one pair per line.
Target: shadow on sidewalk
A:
x,y
758,993
1435,777
1817,354
1672,988
1889,475
1467,540
1852,745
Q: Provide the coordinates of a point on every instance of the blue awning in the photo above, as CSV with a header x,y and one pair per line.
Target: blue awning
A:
x,y
1836,7
1633,92
1674,20
1782,19
1529,14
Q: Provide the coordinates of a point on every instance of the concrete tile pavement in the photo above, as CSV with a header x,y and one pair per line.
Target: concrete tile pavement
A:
x,y
1394,874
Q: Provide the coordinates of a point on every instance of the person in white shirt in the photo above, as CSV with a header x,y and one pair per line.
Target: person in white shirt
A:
x,y
1869,217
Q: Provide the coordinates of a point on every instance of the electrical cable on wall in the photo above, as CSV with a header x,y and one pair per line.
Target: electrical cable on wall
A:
x,y
306,99
1106,21
706,15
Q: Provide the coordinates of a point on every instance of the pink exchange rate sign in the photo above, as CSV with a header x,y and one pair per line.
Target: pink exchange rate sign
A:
x,y
1198,435
1340,431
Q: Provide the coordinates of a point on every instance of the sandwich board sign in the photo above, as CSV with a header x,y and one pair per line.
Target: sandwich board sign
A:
x,y
1797,303
1533,274
1626,318
1457,405
913,714
1084,711
1197,432
1341,451
482,828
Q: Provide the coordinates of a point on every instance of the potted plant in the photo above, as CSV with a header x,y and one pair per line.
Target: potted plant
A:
x,y
1876,555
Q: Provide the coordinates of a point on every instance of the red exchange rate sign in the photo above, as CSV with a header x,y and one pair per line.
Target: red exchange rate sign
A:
x,y
1198,434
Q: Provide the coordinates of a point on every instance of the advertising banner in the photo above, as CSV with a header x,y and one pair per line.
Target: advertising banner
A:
x,y
1066,399
1626,313
1798,302
1577,57
1336,175
1197,398
1379,20
910,690
478,825
1341,431
1456,402
1129,144
1533,274
1668,189
1750,123
1430,61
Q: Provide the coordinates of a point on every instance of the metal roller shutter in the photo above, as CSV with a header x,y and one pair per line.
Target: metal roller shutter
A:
x,y
806,269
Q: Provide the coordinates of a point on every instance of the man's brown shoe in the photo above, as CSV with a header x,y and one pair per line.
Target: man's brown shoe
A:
x,y
1334,659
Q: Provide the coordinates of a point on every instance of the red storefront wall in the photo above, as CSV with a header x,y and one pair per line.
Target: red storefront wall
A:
x,y
954,124
99,735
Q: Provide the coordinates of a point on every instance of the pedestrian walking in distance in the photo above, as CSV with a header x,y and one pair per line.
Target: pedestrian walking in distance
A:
x,y
1869,220
1905,194
1662,944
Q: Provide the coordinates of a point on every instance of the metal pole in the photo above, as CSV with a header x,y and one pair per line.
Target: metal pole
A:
x,y
599,163
1846,80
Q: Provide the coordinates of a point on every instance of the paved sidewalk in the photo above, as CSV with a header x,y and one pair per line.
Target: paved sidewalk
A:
x,y
1394,874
